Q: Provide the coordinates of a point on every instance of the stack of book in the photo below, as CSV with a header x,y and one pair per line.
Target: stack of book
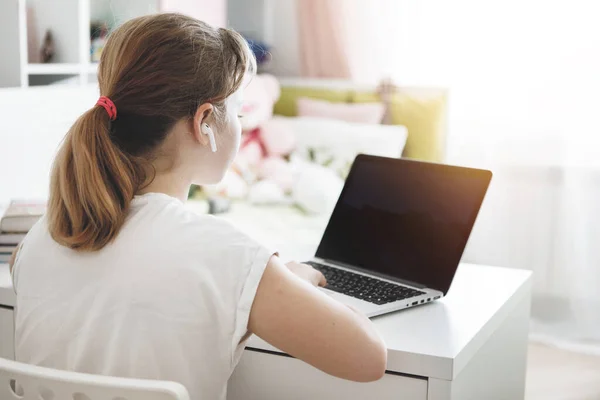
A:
x,y
15,222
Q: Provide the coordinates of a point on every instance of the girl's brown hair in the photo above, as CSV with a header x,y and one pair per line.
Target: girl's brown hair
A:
x,y
157,70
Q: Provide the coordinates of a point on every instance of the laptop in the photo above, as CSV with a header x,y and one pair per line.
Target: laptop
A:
x,y
398,232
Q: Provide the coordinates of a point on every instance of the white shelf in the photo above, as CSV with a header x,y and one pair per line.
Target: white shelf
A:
x,y
24,24
53,69
61,18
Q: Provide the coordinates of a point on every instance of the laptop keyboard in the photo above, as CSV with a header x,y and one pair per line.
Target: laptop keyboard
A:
x,y
363,287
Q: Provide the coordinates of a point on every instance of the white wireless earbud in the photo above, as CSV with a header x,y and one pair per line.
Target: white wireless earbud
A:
x,y
211,136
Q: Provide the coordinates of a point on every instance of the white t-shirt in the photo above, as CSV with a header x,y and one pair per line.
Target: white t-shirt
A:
x,y
169,299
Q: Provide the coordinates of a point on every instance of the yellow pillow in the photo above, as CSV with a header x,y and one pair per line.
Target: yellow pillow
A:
x,y
423,113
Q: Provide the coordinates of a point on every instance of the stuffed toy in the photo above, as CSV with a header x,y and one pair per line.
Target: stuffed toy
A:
x,y
264,172
263,150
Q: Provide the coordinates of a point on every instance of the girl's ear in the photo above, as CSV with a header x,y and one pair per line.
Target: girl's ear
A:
x,y
204,114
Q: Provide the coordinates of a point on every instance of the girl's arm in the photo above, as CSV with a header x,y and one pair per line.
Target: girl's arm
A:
x,y
293,315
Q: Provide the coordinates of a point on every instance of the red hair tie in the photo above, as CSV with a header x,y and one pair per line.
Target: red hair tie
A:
x,y
109,106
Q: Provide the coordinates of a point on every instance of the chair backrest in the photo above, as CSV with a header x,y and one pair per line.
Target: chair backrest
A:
x,y
29,382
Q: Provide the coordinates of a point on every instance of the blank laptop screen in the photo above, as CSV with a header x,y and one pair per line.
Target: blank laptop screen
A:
x,y
405,219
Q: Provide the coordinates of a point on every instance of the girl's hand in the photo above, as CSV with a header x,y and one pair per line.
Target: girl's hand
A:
x,y
307,273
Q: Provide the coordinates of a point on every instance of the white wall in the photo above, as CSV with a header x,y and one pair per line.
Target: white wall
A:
x,y
247,17
10,72
283,35
34,121
212,11
116,12
272,21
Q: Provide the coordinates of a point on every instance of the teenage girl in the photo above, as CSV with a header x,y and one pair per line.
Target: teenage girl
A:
x,y
120,278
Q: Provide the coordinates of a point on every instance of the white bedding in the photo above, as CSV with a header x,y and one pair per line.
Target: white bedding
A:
x,y
285,229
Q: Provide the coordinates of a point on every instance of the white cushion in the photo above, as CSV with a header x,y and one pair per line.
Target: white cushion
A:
x,y
335,144
317,189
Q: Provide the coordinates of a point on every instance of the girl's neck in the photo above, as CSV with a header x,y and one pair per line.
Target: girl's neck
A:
x,y
170,184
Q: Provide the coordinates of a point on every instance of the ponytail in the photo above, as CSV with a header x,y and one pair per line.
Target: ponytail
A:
x,y
92,184
157,69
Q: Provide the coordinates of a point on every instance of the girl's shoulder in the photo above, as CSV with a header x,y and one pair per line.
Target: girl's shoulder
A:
x,y
172,220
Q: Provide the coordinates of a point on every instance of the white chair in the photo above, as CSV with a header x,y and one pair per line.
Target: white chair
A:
x,y
29,382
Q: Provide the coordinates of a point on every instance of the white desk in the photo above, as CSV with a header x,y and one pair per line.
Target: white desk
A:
x,y
7,304
470,345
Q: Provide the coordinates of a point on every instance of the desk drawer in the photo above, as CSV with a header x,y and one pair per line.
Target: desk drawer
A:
x,y
7,336
265,376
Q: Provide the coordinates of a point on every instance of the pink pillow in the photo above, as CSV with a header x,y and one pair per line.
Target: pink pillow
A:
x,y
365,113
